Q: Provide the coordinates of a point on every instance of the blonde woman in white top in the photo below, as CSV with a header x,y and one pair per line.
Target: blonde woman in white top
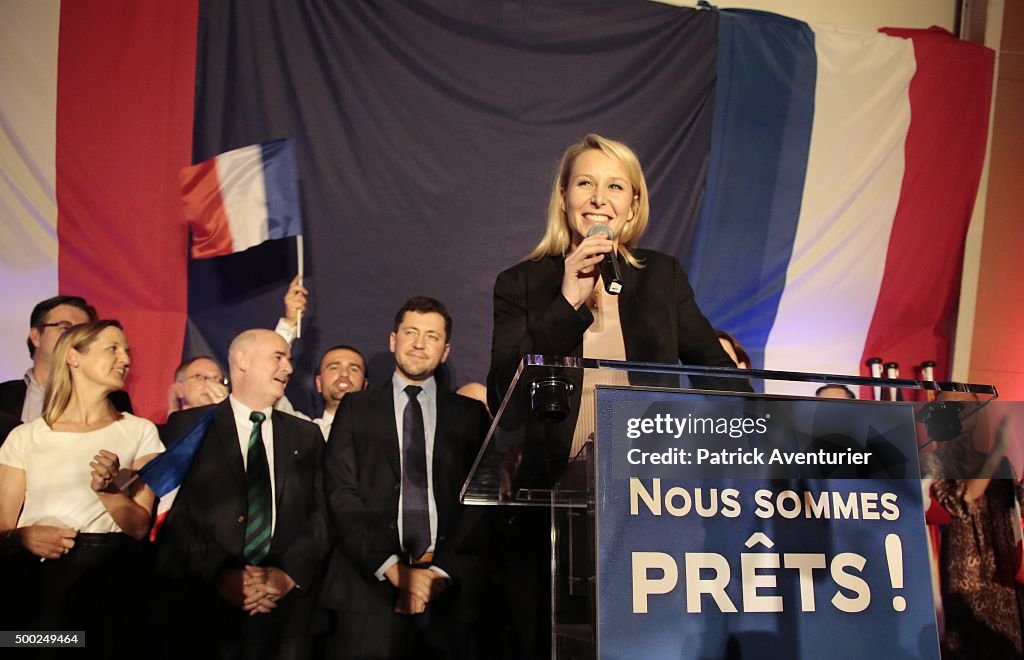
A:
x,y
70,514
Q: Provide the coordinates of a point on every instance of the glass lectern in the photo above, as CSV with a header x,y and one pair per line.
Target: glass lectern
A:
x,y
701,512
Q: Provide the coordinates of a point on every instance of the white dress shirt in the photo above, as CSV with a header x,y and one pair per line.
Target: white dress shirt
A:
x,y
325,423
428,404
33,406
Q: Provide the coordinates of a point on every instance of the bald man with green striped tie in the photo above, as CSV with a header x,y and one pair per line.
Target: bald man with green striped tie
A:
x,y
242,550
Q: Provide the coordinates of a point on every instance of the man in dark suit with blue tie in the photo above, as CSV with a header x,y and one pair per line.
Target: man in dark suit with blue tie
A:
x,y
407,571
240,557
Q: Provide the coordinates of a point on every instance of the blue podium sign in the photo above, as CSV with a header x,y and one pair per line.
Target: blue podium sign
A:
x,y
731,526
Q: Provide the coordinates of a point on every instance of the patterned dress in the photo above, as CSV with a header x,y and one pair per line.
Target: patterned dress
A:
x,y
983,602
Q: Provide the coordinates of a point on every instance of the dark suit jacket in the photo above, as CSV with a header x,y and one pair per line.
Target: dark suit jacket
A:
x,y
7,424
204,532
660,318
660,323
12,398
363,484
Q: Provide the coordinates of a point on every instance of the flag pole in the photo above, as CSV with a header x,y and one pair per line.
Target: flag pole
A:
x,y
298,250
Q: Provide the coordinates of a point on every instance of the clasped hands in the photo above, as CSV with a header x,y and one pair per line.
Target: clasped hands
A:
x,y
416,587
255,589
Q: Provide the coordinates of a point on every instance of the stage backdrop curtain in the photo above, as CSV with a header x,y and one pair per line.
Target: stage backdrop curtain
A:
x,y
840,166
427,135
816,182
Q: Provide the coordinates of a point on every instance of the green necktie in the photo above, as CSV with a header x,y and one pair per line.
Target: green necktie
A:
x,y
257,482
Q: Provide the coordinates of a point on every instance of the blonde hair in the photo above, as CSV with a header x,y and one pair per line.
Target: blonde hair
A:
x,y
58,391
558,235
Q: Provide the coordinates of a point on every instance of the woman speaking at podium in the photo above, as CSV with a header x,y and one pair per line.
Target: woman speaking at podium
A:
x,y
585,290
562,301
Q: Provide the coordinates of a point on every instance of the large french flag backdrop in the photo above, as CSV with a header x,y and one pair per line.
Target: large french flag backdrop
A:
x,y
843,172
95,121
816,182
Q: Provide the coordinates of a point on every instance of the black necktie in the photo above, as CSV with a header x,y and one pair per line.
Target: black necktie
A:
x,y
415,515
257,482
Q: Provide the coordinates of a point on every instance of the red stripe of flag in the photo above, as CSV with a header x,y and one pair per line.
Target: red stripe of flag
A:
x,y
948,98
126,73
204,209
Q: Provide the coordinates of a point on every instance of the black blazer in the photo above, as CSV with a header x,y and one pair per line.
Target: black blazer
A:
x,y
363,484
7,424
205,530
12,398
660,318
660,323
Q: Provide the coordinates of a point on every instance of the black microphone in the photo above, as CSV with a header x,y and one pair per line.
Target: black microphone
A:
x,y
609,264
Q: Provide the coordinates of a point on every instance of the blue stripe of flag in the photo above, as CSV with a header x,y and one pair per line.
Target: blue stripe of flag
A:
x,y
281,180
766,79
166,472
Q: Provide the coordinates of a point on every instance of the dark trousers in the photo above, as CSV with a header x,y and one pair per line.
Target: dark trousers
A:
x,y
216,630
256,644
433,635
100,587
524,564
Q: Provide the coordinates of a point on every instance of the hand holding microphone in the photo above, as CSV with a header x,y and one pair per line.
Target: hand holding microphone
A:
x,y
610,273
585,262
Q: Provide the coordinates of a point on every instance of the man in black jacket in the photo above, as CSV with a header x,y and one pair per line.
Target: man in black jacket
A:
x,y
406,575
241,554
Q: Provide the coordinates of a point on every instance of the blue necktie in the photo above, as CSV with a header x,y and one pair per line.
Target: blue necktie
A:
x,y
257,481
415,514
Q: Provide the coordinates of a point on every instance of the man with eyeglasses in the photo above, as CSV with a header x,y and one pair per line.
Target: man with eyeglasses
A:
x,y
198,381
23,398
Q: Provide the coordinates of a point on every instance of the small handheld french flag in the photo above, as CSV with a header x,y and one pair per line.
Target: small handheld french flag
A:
x,y
242,198
165,473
